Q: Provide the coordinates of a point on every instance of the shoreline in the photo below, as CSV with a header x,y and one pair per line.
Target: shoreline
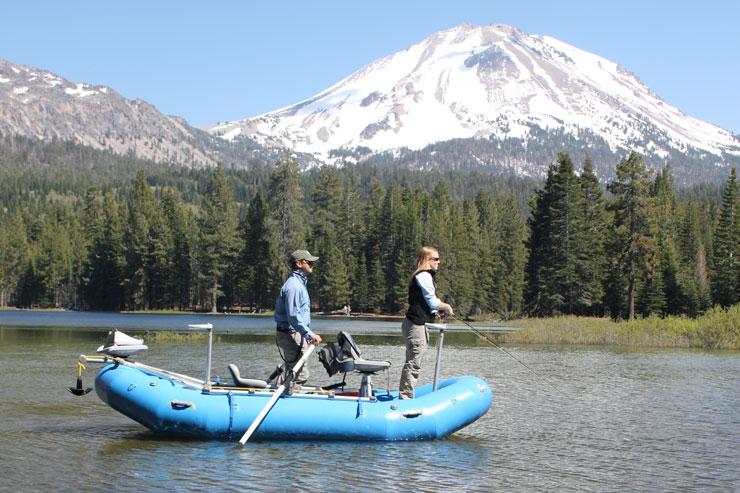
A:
x,y
718,328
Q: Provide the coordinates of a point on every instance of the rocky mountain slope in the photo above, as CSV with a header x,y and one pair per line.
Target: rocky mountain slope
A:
x,y
494,83
473,97
37,103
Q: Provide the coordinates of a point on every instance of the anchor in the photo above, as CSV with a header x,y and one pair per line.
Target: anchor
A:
x,y
79,390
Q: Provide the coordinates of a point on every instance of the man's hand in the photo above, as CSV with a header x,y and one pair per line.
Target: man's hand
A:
x,y
316,339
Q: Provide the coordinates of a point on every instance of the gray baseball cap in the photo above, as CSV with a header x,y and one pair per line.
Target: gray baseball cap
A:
x,y
299,255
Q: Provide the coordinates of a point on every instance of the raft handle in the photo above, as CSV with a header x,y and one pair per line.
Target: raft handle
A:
x,y
412,414
182,405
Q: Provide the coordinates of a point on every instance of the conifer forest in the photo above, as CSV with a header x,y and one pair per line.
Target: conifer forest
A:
x,y
88,230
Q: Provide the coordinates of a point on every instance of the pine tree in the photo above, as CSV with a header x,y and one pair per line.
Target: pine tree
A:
x,y
701,282
287,217
568,240
726,242
351,241
360,285
391,221
438,234
3,267
111,257
595,222
475,240
631,208
179,274
326,232
486,273
141,214
54,261
666,237
538,296
409,241
458,261
376,288
692,254
558,271
218,230
334,292
511,258
159,261
260,267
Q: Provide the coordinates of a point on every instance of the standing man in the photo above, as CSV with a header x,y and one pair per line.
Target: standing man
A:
x,y
293,316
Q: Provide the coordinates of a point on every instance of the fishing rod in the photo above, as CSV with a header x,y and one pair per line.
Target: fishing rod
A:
x,y
481,334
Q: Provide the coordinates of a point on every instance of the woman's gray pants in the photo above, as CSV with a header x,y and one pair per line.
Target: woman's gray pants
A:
x,y
417,340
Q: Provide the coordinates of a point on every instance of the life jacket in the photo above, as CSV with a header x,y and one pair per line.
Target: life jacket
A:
x,y
419,312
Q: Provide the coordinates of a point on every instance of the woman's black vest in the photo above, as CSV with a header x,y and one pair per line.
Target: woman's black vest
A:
x,y
419,312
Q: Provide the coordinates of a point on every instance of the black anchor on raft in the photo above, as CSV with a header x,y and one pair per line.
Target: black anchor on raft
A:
x,y
79,390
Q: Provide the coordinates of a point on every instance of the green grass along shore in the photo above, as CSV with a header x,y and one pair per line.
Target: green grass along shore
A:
x,y
718,328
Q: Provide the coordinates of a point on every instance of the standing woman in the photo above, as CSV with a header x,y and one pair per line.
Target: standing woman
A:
x,y
423,305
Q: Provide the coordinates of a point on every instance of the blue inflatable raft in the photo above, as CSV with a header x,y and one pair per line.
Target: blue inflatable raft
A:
x,y
175,404
178,405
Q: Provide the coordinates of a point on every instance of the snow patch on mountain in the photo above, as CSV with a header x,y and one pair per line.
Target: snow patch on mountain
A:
x,y
42,105
473,81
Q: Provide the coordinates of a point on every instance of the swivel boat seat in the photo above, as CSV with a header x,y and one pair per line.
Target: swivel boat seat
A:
x,y
240,381
345,356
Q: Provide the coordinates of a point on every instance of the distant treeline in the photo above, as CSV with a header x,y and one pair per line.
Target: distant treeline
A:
x,y
170,237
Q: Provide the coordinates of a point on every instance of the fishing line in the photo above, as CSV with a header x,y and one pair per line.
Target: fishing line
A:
x,y
481,334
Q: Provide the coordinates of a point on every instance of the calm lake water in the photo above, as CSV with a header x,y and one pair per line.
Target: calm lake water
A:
x,y
629,420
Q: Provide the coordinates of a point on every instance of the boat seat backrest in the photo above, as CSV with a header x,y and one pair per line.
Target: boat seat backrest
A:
x,y
245,382
348,345
335,360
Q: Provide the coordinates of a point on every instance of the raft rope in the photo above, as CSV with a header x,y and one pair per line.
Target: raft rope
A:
x,y
481,334
231,412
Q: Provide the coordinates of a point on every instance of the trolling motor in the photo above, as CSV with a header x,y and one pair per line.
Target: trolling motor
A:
x,y
79,390
117,344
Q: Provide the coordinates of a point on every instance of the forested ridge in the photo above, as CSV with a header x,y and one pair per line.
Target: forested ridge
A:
x,y
90,230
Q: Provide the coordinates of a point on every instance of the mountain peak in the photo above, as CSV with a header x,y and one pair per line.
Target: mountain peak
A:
x,y
484,82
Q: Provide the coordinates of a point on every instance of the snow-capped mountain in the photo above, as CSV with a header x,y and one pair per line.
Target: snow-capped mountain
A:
x,y
37,103
490,97
491,82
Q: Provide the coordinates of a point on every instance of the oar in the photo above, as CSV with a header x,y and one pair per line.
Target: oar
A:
x,y
275,396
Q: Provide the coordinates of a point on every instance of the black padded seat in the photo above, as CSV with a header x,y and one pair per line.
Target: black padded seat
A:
x,y
251,383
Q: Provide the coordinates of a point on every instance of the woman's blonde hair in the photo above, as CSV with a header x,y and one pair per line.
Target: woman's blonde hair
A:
x,y
422,261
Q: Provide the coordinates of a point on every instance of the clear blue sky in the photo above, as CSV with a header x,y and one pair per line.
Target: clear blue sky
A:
x,y
216,61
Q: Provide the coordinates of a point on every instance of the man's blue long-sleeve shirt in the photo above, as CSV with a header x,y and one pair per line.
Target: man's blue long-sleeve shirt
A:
x,y
293,307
